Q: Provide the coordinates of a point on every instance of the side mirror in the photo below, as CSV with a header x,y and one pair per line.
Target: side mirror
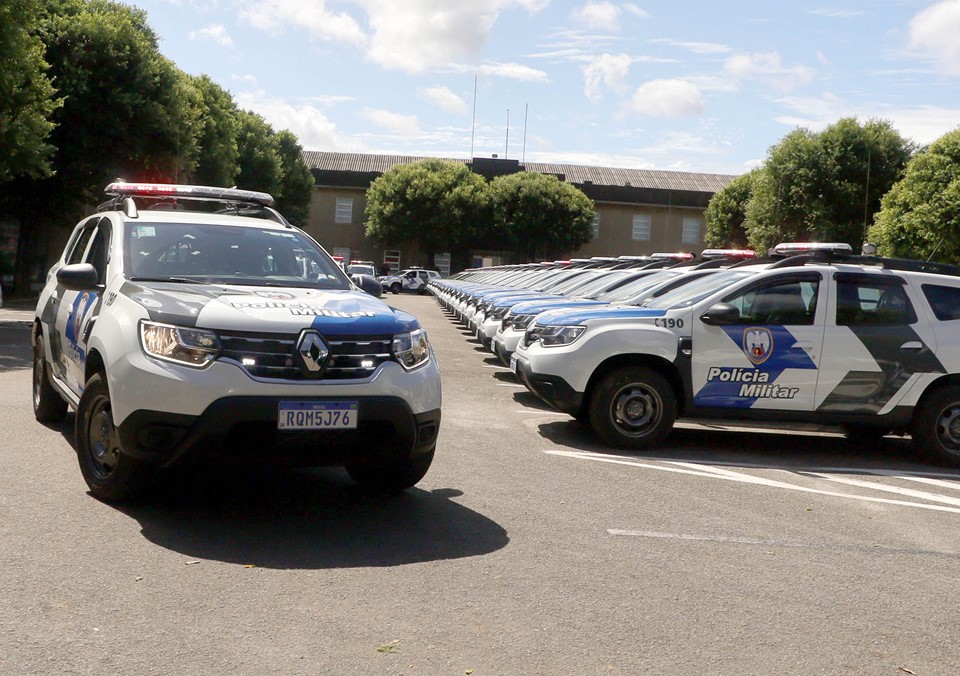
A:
x,y
78,277
721,314
369,284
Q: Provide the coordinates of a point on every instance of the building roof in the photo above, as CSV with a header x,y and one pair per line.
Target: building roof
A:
x,y
571,173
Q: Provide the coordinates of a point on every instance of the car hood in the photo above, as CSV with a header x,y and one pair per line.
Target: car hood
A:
x,y
248,308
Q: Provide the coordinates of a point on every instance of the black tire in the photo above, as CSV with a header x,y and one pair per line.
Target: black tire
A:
x,y
633,407
48,405
111,475
395,288
392,477
936,426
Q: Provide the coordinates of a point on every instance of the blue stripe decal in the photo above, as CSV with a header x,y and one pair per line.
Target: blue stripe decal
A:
x,y
573,317
725,385
535,307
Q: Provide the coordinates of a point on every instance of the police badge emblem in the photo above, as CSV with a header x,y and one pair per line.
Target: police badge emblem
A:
x,y
757,344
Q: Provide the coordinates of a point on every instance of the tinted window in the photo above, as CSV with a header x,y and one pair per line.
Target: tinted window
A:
x,y
944,301
864,302
792,303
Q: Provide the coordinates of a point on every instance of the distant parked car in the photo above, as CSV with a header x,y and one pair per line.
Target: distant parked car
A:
x,y
411,279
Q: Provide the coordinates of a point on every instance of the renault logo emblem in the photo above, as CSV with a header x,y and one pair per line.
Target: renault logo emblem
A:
x,y
312,351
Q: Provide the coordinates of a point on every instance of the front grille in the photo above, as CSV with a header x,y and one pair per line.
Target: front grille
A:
x,y
271,356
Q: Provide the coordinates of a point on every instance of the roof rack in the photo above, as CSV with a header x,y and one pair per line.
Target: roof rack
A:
x,y
901,264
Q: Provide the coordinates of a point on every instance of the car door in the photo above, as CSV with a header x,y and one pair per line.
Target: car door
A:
x,y
767,354
875,347
77,310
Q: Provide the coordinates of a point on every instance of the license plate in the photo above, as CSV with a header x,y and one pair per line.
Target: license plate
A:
x,y
513,363
317,415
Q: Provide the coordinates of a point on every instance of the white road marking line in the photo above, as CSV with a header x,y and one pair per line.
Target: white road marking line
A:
x,y
718,473
494,366
520,385
775,543
923,495
535,412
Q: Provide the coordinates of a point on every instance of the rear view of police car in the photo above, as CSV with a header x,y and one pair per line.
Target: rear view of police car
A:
x,y
187,319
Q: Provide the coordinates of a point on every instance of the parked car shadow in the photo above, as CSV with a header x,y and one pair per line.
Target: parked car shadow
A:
x,y
309,519
15,349
721,443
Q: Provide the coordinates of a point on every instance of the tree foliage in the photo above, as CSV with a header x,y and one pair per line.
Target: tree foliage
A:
x,y
920,216
27,99
825,186
539,215
440,204
217,153
259,158
296,181
727,212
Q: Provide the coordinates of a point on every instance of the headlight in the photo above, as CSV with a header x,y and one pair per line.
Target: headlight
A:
x,y
411,349
191,347
518,322
552,336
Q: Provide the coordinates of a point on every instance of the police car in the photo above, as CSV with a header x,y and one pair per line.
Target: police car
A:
x,y
411,279
187,319
866,343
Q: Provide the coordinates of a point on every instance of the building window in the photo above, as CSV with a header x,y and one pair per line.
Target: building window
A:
x,y
595,225
691,230
344,210
641,227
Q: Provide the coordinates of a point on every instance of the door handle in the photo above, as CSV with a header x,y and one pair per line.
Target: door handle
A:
x,y
802,346
912,346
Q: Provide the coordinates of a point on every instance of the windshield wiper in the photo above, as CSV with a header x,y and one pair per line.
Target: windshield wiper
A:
x,y
177,280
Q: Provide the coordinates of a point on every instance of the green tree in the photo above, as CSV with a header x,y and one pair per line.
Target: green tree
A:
x,y
825,186
217,153
727,212
920,216
122,116
27,99
259,157
540,215
296,181
440,204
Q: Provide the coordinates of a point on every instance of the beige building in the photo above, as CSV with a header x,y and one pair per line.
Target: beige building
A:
x,y
639,211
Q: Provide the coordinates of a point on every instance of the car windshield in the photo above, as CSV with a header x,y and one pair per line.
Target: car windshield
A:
x,y
218,254
697,290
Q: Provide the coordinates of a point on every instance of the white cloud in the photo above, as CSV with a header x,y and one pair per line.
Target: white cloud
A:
x,y
835,13
696,47
313,129
444,99
274,16
216,33
667,98
607,70
636,11
401,124
921,123
767,67
934,33
603,16
510,71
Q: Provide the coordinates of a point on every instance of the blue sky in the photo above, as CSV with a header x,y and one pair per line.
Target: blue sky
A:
x,y
688,86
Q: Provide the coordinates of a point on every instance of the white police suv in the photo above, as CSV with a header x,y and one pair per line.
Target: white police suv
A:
x,y
866,343
186,320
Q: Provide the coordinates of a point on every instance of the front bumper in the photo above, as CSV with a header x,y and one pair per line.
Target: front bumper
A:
x,y
552,389
245,428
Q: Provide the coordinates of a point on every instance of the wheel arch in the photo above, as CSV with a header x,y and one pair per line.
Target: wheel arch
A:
x,y
947,380
658,364
94,364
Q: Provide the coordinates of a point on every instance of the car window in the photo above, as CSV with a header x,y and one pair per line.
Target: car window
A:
x,y
221,254
80,247
872,302
944,301
697,289
99,254
790,302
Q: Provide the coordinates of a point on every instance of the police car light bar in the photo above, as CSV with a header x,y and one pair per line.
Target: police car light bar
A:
x,y
672,256
728,253
794,248
197,192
